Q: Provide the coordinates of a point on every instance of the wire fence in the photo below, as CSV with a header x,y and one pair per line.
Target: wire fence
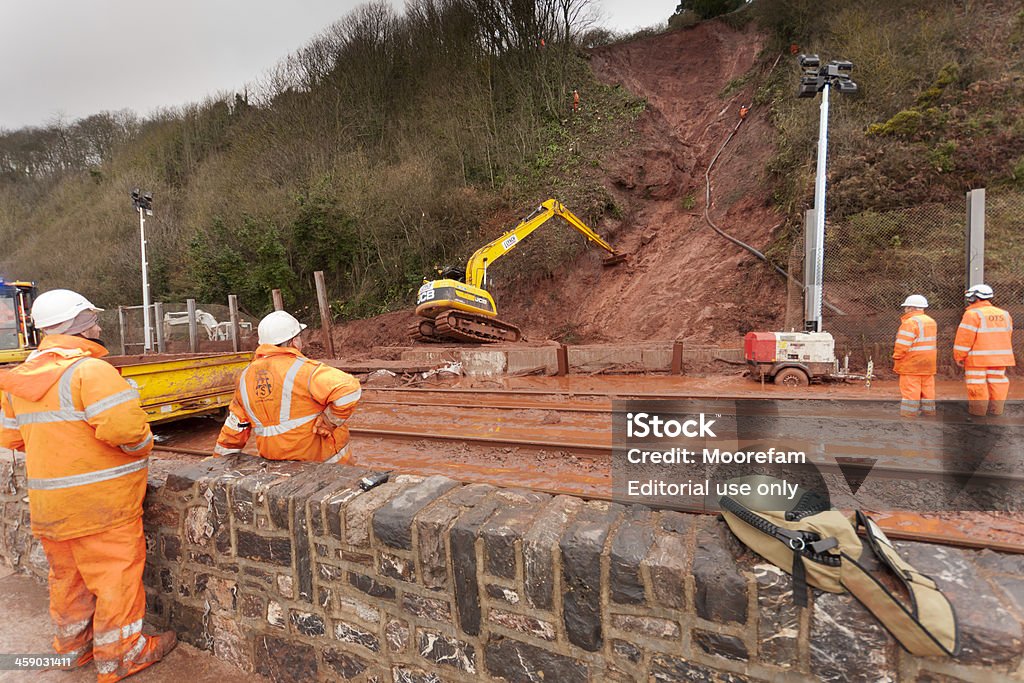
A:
x,y
124,329
874,260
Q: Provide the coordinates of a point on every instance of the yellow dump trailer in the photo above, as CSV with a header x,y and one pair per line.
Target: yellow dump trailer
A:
x,y
175,386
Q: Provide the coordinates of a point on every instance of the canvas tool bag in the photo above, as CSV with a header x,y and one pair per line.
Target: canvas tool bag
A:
x,y
821,548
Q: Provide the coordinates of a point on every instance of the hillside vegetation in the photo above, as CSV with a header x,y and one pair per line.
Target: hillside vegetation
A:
x,y
383,148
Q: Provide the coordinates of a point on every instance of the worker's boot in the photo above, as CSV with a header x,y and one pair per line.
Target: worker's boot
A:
x,y
78,662
156,648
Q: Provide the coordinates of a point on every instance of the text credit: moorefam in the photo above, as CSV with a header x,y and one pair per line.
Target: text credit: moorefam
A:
x,y
645,425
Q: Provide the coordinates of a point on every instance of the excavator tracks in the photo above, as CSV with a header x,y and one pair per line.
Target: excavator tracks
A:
x,y
460,326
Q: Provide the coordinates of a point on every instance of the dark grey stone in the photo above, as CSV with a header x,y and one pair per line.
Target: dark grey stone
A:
x,y
721,591
172,548
630,545
519,662
276,551
462,539
371,586
285,661
538,549
396,567
392,522
989,633
500,534
721,645
581,546
406,674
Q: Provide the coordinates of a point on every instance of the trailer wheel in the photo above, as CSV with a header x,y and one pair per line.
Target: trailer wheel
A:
x,y
791,377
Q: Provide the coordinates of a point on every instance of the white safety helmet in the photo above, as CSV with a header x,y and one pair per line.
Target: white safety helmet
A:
x,y
916,301
59,306
279,327
979,292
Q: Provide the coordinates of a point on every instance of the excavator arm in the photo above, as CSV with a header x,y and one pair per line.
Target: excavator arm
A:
x,y
476,268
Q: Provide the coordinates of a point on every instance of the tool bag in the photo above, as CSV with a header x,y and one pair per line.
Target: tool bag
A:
x,y
821,547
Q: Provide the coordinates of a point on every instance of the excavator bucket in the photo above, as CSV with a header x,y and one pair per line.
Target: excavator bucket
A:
x,y
613,260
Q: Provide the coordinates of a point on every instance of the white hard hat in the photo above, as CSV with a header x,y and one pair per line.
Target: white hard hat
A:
x,y
980,292
279,327
59,306
916,301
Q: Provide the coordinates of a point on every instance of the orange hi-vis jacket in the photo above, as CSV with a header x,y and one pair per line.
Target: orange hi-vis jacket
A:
x,y
279,398
984,338
915,350
84,435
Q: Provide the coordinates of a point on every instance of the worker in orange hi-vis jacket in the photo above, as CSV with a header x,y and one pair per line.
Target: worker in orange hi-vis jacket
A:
x,y
914,356
984,349
86,441
297,407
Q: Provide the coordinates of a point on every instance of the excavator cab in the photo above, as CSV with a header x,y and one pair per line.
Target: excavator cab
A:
x,y
17,335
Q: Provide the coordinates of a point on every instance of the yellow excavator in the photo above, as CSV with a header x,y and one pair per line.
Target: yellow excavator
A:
x,y
458,307
17,335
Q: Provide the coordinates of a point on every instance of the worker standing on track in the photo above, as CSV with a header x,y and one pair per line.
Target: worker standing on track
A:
x,y
297,407
915,358
86,441
984,348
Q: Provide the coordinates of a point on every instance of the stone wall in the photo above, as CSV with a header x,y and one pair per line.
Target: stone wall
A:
x,y
290,571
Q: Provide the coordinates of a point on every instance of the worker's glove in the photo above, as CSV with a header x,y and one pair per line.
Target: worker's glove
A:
x,y
323,427
960,363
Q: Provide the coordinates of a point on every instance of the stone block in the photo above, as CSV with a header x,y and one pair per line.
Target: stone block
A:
x,y
537,628
778,617
666,669
359,511
285,661
989,633
230,643
581,546
307,623
847,643
344,664
539,545
393,522
721,590
654,627
396,567
275,551
441,649
668,564
410,674
627,651
432,531
505,594
396,635
519,662
349,607
427,608
354,635
630,545
371,586
500,535
462,540
721,645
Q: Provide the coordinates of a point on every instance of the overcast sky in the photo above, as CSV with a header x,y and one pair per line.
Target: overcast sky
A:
x,y
74,58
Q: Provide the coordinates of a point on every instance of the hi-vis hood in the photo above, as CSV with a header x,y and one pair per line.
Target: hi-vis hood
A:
x,y
33,378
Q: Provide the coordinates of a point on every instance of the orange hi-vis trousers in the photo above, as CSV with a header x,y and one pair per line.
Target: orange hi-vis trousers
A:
x,y
987,389
918,392
97,600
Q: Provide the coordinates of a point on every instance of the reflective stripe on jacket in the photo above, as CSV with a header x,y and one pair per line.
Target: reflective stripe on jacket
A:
x,y
279,398
984,338
84,434
915,350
